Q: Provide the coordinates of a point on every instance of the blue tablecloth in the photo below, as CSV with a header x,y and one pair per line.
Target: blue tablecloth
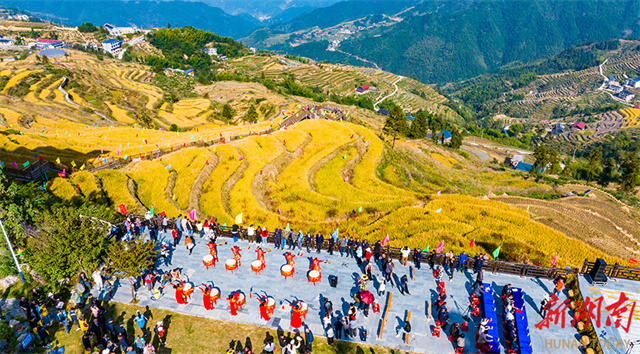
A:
x,y
489,307
522,325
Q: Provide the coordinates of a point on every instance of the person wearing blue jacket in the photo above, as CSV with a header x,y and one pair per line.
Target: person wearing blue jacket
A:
x,y
462,260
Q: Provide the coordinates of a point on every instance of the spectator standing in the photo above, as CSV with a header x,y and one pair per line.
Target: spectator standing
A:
x,y
417,257
405,251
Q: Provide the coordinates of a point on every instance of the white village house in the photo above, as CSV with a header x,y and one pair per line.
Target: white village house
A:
x,y
112,45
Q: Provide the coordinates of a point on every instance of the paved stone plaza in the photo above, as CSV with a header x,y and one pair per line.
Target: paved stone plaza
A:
x,y
271,282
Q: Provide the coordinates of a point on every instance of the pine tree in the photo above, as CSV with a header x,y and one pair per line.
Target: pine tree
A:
x,y
607,176
251,115
418,128
456,138
396,124
630,172
593,167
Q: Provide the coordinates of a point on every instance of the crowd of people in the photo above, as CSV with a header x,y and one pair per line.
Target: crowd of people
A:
x,y
375,263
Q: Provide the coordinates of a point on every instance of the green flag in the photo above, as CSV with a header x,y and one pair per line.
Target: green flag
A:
x,y
425,250
151,211
345,155
287,229
360,210
496,253
224,225
25,164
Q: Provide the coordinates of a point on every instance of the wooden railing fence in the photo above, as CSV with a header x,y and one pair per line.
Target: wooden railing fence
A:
x,y
493,266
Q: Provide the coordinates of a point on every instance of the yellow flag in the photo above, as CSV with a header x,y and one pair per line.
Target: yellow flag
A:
x,y
73,163
239,218
82,167
58,160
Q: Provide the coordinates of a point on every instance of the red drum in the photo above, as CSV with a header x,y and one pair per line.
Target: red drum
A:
x,y
303,309
240,298
208,261
256,266
231,264
286,271
271,305
314,276
215,295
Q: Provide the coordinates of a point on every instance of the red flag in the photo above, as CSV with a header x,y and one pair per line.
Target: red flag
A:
x,y
123,209
284,142
206,162
60,174
385,240
351,136
163,214
145,141
41,158
184,144
633,261
473,243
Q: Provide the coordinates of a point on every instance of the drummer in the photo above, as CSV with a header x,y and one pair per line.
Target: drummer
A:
x,y
236,254
296,316
206,296
315,264
213,251
289,256
261,253
233,305
264,307
180,298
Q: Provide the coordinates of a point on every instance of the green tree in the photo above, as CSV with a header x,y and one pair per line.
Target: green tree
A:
x,y
16,209
541,154
130,259
396,124
66,243
227,112
436,123
630,172
608,174
418,128
87,27
251,115
593,167
554,161
456,138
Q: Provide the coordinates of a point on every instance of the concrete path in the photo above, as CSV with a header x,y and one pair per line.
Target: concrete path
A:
x,y
395,84
271,282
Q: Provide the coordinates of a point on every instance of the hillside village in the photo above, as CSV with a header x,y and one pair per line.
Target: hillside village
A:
x,y
147,130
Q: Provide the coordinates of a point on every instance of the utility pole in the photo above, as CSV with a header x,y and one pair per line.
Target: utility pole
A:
x,y
11,250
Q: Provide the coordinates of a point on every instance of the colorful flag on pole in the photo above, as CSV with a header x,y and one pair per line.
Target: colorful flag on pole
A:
x,y
167,167
496,253
425,250
438,210
489,194
25,164
192,215
384,240
82,167
151,211
553,262
279,211
14,164
123,209
440,247
633,261
287,229
438,194
335,235
58,160
360,210
239,218
473,243
64,172
345,156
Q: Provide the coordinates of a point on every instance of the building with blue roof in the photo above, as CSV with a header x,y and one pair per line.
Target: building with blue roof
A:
x,y
445,136
112,46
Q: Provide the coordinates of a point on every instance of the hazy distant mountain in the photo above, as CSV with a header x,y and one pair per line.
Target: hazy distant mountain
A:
x,y
270,11
449,40
139,13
